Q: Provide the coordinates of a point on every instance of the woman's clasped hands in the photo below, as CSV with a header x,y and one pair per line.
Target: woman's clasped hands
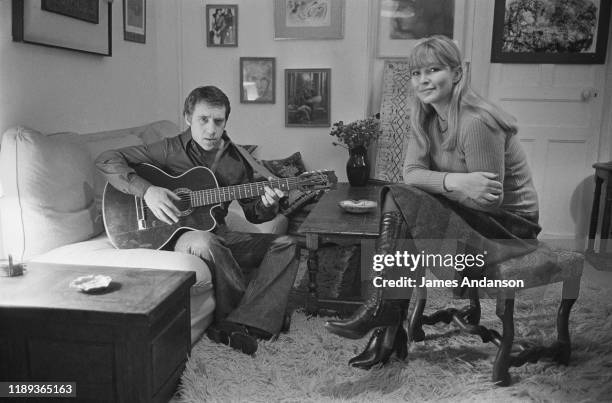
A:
x,y
480,187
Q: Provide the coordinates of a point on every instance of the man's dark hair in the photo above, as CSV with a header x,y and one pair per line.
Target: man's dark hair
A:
x,y
209,94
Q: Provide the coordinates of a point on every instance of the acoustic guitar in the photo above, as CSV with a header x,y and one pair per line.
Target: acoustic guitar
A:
x,y
130,224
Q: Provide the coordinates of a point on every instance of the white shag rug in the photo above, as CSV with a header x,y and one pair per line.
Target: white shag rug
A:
x,y
310,365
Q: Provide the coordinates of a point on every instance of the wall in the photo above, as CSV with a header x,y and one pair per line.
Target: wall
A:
x,y
54,90
265,124
57,90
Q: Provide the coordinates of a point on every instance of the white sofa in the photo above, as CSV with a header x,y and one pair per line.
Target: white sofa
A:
x,y
50,209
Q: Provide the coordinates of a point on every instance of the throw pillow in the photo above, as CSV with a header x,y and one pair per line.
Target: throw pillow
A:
x,y
48,186
286,167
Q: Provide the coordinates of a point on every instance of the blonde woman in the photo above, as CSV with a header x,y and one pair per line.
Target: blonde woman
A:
x,y
466,180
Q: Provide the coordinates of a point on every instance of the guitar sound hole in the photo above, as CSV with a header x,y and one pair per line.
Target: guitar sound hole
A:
x,y
184,205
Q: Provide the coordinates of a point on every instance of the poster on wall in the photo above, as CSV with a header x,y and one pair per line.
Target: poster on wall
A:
x,y
221,25
311,19
550,31
307,97
64,25
134,20
84,10
257,80
402,22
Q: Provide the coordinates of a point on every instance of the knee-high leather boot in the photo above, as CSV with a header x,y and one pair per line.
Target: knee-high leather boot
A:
x,y
375,311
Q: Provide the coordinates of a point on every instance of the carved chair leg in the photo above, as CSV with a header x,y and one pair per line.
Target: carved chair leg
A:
x,y
415,327
570,291
473,315
505,311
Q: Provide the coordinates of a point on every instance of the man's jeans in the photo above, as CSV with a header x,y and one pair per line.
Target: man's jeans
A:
x,y
252,274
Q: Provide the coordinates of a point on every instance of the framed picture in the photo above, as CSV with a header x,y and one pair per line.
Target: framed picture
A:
x,y
402,22
221,25
546,31
307,97
134,20
257,80
64,24
310,19
84,10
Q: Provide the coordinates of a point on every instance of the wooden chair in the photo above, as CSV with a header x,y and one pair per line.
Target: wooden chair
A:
x,y
540,267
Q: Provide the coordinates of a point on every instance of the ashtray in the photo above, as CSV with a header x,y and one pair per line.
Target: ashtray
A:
x,y
91,283
357,206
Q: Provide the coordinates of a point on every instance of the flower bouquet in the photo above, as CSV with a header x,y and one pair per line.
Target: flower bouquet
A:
x,y
355,134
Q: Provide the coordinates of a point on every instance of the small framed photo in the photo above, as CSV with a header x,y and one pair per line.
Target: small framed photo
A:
x,y
134,20
257,80
307,97
221,25
548,31
310,19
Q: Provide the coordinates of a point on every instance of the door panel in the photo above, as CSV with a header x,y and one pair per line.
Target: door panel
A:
x,y
558,108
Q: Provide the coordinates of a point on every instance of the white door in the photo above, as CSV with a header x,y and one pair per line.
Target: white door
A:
x,y
559,112
559,109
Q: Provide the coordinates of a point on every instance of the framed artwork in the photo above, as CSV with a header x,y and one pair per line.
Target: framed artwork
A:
x,y
134,20
64,24
549,31
307,97
257,80
84,10
402,22
221,25
310,19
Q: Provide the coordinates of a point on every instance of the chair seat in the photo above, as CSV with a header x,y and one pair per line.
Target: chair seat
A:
x,y
544,265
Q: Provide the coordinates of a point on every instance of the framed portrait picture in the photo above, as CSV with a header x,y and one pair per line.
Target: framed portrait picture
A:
x,y
64,25
134,20
257,80
221,25
310,19
547,31
402,22
307,97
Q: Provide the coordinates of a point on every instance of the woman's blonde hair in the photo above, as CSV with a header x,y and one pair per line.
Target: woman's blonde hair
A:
x,y
440,50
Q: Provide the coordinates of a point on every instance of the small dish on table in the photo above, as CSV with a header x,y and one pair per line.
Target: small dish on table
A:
x,y
358,206
91,283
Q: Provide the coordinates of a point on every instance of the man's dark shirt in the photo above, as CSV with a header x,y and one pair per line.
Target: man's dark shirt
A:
x,y
175,155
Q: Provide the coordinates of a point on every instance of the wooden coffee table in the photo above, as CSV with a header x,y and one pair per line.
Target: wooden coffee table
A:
x,y
329,223
127,344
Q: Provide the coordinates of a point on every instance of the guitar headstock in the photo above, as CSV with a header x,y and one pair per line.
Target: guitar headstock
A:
x,y
316,180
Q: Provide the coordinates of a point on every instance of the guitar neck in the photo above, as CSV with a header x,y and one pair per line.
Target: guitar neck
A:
x,y
237,192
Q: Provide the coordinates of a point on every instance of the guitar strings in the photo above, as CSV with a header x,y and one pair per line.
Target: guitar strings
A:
x,y
205,194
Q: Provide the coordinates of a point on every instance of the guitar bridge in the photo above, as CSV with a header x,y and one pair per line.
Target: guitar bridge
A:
x,y
140,213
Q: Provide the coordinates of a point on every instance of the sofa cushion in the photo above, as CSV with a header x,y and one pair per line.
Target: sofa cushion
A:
x,y
48,193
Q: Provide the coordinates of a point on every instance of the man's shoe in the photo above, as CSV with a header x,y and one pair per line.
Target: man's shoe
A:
x,y
234,335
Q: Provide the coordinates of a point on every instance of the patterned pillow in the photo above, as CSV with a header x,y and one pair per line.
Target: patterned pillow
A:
x,y
286,167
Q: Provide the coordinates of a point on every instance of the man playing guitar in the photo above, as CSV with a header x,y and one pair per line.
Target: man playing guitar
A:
x,y
252,273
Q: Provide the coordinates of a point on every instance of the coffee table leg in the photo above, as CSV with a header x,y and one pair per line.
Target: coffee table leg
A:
x,y
312,302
